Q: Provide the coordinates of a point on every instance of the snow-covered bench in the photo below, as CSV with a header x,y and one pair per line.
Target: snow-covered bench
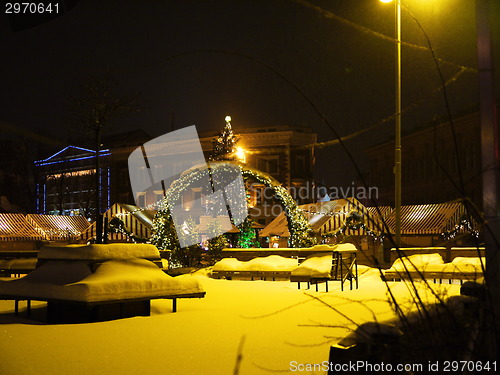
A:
x,y
340,265
99,282
432,267
297,253
265,268
17,266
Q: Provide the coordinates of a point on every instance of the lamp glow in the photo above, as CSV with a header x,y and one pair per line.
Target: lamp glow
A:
x,y
240,154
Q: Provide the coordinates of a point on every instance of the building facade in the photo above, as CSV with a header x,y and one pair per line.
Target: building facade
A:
x,y
66,181
433,166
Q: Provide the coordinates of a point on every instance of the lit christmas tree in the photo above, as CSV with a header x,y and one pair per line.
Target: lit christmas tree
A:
x,y
246,237
189,256
216,242
224,146
164,235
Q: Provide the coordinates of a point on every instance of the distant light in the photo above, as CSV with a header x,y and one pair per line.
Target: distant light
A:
x,y
386,1
228,118
185,228
240,154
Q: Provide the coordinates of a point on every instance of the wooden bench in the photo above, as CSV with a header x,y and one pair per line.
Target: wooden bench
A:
x,y
69,311
17,266
252,275
432,275
344,267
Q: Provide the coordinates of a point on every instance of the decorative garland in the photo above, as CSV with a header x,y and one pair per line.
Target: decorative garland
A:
x,y
339,213
355,222
149,207
67,232
459,228
116,225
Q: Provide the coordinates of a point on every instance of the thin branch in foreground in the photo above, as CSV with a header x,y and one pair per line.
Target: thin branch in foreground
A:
x,y
270,369
329,341
239,356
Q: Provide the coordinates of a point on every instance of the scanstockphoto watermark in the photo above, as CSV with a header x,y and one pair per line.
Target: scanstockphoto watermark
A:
x,y
311,192
265,203
364,367
359,367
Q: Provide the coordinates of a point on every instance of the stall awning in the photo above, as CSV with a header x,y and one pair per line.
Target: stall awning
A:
x,y
59,227
136,221
429,219
327,217
14,227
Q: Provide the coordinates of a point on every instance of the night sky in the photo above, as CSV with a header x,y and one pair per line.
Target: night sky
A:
x,y
194,62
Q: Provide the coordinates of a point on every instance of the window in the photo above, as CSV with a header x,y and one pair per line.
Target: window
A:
x,y
143,175
141,199
268,164
158,196
300,164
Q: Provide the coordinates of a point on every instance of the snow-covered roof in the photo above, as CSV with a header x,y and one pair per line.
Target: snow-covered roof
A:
x,y
277,227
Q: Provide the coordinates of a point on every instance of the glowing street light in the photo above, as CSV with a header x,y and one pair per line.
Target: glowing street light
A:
x,y
397,147
240,154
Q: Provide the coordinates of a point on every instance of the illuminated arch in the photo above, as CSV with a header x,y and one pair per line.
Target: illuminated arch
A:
x,y
298,226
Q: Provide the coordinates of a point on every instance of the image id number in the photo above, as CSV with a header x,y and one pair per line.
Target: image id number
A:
x,y
31,8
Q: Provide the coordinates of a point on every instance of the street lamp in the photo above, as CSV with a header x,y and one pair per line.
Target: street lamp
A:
x,y
240,154
397,148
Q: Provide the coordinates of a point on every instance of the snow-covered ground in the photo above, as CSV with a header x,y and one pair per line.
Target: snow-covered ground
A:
x,y
274,321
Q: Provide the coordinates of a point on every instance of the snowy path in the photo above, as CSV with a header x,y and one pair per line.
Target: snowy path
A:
x,y
202,337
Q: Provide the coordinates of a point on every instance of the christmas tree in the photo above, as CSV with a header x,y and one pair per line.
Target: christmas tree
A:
x,y
216,242
224,146
189,256
164,235
165,238
246,237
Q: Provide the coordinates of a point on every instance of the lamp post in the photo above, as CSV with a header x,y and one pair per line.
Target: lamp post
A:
x,y
490,171
397,147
